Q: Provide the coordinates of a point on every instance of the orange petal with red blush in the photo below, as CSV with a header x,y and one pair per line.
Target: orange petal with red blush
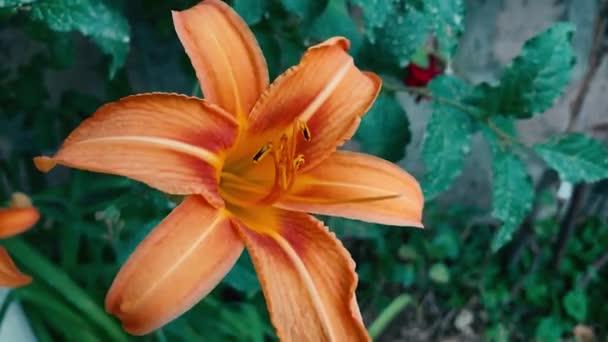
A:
x,y
180,262
306,274
10,276
17,220
326,91
225,54
171,142
358,186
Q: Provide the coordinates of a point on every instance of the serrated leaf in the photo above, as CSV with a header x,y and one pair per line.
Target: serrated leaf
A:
x,y
447,18
447,138
575,303
375,13
577,157
512,195
104,25
535,79
384,130
439,273
14,3
336,21
251,11
402,34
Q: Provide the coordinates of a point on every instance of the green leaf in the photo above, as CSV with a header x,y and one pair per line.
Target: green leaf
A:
x,y
242,276
535,79
375,13
402,34
439,273
384,130
577,157
512,195
447,139
336,21
272,50
549,330
14,3
401,27
251,11
304,9
44,270
354,229
71,322
103,24
447,244
575,303
447,20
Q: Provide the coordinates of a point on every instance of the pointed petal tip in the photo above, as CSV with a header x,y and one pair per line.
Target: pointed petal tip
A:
x,y
10,275
20,280
176,265
226,57
44,164
417,225
343,42
15,221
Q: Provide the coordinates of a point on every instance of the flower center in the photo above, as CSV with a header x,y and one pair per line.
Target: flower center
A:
x,y
240,190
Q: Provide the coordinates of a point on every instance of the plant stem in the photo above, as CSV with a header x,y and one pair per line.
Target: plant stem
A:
x,y
425,92
593,63
593,269
388,314
474,114
596,55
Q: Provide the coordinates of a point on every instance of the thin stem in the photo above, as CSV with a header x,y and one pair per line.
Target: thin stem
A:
x,y
593,63
425,92
503,136
594,269
388,314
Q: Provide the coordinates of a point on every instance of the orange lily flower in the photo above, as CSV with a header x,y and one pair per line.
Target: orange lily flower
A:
x,y
253,159
19,217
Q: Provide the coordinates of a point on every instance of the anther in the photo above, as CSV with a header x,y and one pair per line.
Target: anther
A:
x,y
305,130
262,153
298,162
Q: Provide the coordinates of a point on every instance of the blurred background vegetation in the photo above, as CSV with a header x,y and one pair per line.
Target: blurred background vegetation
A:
x,y
523,257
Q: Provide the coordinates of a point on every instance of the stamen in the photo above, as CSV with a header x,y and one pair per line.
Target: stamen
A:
x,y
284,180
298,162
346,200
262,153
305,130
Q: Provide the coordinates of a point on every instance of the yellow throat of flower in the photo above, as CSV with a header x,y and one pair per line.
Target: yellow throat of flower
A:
x,y
240,190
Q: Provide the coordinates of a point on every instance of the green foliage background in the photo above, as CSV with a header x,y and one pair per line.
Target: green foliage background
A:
x,y
502,265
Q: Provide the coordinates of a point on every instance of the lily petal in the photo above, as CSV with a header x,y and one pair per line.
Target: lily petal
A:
x,y
225,54
171,142
306,274
17,220
10,276
180,262
358,186
326,91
